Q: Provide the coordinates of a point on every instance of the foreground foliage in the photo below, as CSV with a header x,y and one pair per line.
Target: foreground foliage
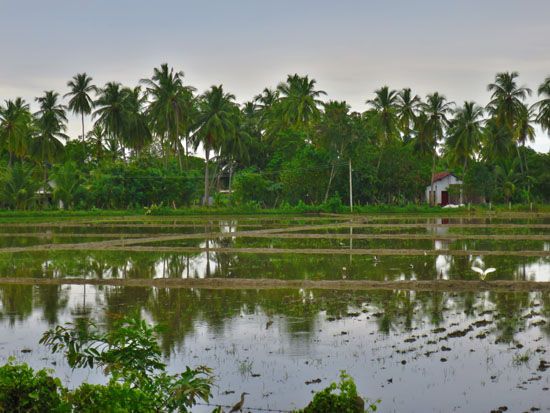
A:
x,y
340,397
130,356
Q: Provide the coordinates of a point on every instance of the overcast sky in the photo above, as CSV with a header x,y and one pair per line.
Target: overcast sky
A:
x,y
350,47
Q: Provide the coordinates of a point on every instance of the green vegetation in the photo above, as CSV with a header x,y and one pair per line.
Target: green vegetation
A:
x,y
286,147
346,400
130,356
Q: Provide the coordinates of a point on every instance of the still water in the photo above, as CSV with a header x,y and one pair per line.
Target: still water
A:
x,y
416,351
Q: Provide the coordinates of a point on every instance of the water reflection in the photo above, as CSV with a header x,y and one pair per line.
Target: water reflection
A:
x,y
205,264
291,336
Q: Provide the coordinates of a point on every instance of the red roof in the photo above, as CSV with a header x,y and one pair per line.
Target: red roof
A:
x,y
440,175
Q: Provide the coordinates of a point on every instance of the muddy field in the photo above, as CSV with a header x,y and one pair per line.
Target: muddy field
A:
x,y
277,306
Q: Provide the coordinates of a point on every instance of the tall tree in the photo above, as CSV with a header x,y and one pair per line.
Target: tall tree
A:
x,y
171,106
95,138
465,135
136,129
298,105
215,124
110,112
81,102
15,128
436,109
543,105
507,107
235,148
335,130
407,107
51,125
383,115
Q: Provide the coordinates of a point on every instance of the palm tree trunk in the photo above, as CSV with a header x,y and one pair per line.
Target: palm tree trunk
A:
x,y
350,188
82,126
45,185
463,180
527,173
432,194
177,139
520,161
331,176
230,177
206,179
187,151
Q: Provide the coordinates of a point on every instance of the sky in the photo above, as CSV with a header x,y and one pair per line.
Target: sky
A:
x,y
351,47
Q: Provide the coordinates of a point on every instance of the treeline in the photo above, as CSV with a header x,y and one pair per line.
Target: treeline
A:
x,y
287,145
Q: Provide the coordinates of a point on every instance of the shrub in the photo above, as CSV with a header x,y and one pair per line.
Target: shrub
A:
x,y
131,356
345,401
24,390
114,398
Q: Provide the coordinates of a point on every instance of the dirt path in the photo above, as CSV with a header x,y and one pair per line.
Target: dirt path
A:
x,y
240,283
278,235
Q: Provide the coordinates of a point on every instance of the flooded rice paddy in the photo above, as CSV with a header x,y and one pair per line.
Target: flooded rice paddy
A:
x,y
450,348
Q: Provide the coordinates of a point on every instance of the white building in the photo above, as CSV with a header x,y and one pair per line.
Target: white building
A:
x,y
442,181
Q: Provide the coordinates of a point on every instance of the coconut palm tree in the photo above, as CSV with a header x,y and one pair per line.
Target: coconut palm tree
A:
x,y
136,129
299,102
465,135
507,106
215,124
334,132
51,125
81,103
95,137
436,109
543,105
15,128
235,148
383,115
171,106
110,112
506,98
407,107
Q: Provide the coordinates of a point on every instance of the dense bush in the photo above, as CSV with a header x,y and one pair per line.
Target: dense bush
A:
x,y
339,397
24,390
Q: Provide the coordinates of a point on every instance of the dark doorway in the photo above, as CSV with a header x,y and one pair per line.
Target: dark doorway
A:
x,y
444,198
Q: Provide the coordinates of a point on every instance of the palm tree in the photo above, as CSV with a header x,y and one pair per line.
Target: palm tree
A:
x,y
18,187
506,106
110,111
235,149
51,125
334,132
407,107
298,105
215,124
171,105
383,114
95,139
465,135
136,129
436,108
543,105
81,103
15,128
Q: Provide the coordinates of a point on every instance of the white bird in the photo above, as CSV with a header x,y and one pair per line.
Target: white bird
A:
x,y
483,273
375,258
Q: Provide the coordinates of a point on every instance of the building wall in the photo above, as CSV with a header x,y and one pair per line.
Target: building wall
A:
x,y
440,186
